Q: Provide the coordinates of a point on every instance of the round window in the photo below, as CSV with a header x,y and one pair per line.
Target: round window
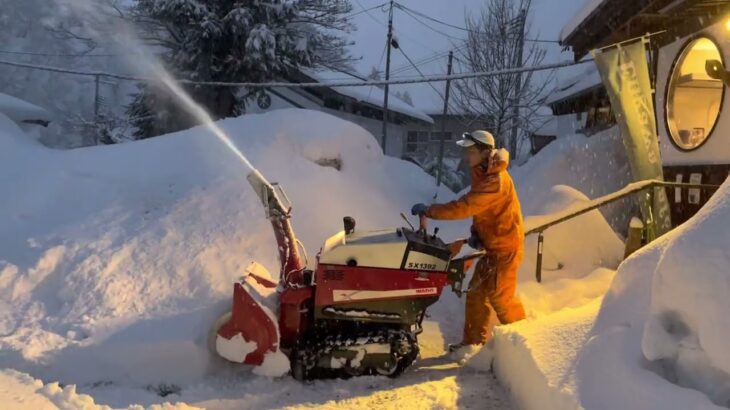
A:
x,y
694,99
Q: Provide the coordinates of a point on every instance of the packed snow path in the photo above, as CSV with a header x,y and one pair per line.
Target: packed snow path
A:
x,y
434,382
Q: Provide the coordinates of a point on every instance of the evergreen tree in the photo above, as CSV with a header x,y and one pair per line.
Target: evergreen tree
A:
x,y
232,41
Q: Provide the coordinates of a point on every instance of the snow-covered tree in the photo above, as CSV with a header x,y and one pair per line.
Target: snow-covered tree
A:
x,y
42,32
507,104
232,41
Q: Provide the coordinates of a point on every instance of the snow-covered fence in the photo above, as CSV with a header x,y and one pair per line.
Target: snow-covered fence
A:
x,y
538,225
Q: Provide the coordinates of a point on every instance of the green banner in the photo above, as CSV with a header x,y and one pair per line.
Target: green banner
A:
x,y
625,73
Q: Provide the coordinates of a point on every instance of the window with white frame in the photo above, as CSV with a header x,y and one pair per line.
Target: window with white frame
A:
x,y
693,97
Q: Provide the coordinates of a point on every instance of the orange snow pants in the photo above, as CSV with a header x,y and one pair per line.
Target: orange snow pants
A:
x,y
492,290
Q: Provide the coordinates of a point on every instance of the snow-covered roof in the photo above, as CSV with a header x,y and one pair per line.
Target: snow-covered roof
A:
x,y
22,111
370,94
590,7
549,126
588,79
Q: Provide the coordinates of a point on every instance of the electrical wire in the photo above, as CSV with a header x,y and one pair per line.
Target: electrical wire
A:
x,y
367,11
426,60
28,53
364,10
407,11
278,84
419,71
435,20
396,33
380,63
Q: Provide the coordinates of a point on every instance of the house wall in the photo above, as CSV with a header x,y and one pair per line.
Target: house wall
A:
x,y
716,150
710,162
396,132
570,124
428,137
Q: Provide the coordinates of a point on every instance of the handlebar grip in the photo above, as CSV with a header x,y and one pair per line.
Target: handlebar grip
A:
x,y
422,223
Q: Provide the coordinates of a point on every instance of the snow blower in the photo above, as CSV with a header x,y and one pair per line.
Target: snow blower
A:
x,y
359,311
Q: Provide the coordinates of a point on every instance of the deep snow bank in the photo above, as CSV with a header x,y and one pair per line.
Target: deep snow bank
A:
x,y
574,263
657,341
661,295
688,328
116,260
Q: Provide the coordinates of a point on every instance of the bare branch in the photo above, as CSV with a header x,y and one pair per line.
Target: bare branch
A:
x,y
494,43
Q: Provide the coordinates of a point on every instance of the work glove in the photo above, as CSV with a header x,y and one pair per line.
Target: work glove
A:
x,y
474,242
419,209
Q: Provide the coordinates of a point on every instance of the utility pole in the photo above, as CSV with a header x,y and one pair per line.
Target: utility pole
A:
x,y
443,123
387,77
518,86
97,102
96,99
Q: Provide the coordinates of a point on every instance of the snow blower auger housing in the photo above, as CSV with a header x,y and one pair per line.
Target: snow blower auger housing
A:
x,y
358,312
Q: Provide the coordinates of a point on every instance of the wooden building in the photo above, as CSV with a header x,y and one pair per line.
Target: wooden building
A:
x,y
693,117
361,105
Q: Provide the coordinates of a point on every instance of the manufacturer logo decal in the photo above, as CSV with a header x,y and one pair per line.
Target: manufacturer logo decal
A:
x,y
341,295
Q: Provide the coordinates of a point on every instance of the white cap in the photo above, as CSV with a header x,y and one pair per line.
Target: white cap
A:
x,y
480,136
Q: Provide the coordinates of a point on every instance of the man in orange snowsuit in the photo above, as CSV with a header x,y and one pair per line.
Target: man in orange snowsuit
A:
x,y
495,208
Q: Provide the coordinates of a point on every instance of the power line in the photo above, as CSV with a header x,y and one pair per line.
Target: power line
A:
x,y
364,10
419,71
409,66
435,20
28,53
407,11
275,84
380,63
426,60
398,34
367,11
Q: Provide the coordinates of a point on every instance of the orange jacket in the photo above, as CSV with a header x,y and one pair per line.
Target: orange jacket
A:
x,y
492,202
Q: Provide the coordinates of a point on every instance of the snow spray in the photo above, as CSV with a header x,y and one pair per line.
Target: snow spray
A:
x,y
198,112
126,40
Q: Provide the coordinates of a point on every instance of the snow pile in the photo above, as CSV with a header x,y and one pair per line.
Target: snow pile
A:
x,y
668,304
574,265
656,341
19,110
688,327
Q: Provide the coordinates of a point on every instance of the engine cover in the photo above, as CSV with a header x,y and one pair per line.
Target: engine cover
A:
x,y
382,276
388,249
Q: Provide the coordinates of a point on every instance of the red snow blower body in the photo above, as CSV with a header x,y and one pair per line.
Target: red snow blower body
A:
x,y
359,311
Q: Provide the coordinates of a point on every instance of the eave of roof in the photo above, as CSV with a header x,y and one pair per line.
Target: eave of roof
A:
x,y
606,22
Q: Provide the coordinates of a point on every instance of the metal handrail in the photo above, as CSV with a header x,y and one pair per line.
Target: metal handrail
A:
x,y
591,205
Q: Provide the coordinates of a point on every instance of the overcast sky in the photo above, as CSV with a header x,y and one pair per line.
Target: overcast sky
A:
x,y
418,41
